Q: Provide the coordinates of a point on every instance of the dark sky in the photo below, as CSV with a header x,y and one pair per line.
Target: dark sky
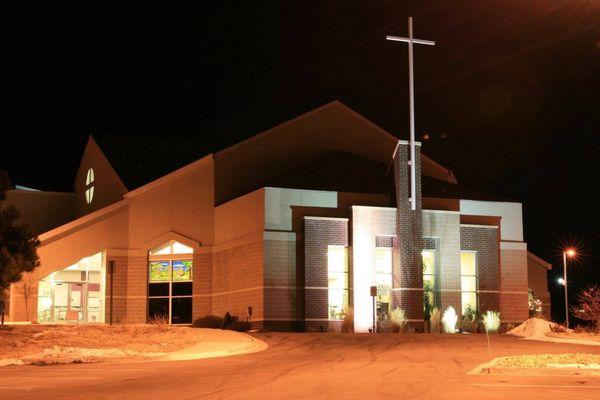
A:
x,y
509,96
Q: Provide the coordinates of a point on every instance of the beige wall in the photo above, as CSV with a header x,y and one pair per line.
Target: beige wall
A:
x,y
513,282
182,204
108,187
42,211
240,217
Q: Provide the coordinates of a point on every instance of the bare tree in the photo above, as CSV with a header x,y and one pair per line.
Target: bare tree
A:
x,y
26,287
588,308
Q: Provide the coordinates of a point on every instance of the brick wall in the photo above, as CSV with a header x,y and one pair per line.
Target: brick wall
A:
x,y
484,240
280,277
237,280
202,288
119,285
408,295
319,233
137,289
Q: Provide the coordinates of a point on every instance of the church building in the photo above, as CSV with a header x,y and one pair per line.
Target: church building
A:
x,y
289,229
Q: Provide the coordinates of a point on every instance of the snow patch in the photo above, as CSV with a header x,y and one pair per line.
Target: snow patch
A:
x,y
533,328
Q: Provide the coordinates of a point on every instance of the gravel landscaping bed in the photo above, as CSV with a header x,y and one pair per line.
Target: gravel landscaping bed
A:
x,y
569,360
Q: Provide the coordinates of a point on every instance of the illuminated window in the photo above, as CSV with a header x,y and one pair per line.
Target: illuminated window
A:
x,y
468,279
383,278
89,186
337,273
171,247
429,278
170,274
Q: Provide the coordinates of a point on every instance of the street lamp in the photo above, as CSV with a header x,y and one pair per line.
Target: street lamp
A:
x,y
567,253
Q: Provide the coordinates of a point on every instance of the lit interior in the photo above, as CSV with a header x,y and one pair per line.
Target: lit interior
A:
x,y
468,272
383,278
171,247
74,294
337,272
429,274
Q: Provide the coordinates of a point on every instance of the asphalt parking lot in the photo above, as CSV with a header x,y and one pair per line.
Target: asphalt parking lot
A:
x,y
316,366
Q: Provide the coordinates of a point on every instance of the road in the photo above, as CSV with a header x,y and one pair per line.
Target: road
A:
x,y
316,366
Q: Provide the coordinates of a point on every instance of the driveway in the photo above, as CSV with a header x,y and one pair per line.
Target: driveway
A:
x,y
316,366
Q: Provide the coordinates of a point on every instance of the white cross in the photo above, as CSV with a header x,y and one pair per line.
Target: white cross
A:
x,y
410,40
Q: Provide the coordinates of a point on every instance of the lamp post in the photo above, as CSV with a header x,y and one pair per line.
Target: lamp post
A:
x,y
570,253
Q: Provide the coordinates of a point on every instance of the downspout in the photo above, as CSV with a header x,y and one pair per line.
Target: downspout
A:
x,y
111,271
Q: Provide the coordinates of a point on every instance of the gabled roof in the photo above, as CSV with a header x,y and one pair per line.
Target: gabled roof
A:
x,y
337,171
436,188
254,162
334,127
139,160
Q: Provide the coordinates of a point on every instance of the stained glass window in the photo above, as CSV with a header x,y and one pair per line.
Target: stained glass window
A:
x,y
170,285
159,271
182,270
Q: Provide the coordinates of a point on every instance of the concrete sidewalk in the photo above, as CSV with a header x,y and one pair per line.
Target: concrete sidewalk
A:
x,y
218,343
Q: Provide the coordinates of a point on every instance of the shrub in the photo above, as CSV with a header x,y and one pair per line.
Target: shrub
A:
x,y
435,320
491,321
161,321
428,299
209,321
557,328
228,320
239,326
449,320
398,320
469,319
535,304
383,324
348,321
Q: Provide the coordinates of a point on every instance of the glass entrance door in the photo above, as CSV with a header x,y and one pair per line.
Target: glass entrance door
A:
x,y
69,300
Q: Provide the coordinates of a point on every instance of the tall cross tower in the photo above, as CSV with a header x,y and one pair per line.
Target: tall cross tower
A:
x,y
411,85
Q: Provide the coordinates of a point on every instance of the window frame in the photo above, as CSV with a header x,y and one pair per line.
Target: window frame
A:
x,y
432,274
475,291
89,185
169,258
345,292
389,276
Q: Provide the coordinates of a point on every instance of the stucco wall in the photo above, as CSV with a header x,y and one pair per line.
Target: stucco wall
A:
x,y
183,204
108,187
367,224
42,211
511,227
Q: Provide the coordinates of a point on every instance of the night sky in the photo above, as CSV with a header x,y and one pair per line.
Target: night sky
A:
x,y
508,98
